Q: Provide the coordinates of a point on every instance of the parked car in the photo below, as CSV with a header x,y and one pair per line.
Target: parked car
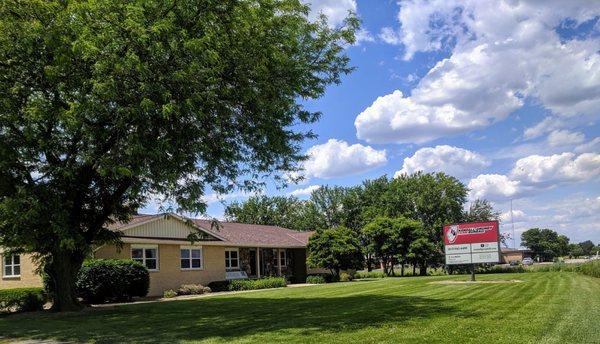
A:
x,y
527,261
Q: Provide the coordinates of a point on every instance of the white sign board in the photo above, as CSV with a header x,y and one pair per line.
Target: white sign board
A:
x,y
472,243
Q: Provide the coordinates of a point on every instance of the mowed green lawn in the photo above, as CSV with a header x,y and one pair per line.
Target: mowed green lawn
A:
x,y
557,307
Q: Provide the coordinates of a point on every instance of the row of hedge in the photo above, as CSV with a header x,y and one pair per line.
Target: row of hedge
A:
x,y
22,299
248,284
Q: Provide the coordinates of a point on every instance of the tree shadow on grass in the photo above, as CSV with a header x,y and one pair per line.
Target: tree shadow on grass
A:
x,y
224,319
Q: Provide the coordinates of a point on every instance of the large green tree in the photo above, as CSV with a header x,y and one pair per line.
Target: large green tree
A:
x,y
104,103
389,240
335,249
434,199
287,212
481,210
545,243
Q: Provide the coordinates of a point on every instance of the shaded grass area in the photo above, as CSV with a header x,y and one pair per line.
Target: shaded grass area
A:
x,y
553,307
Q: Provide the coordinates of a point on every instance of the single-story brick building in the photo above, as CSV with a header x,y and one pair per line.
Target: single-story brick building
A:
x,y
161,242
511,255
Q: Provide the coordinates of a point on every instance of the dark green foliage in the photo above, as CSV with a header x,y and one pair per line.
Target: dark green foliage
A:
x,y
335,249
261,283
587,247
390,239
22,299
315,279
219,285
545,243
104,103
112,279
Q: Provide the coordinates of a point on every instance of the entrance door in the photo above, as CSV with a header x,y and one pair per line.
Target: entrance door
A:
x,y
252,262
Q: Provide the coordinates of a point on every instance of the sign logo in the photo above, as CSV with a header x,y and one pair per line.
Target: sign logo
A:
x,y
452,233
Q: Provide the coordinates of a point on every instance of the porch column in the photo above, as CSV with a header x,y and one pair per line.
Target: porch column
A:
x,y
279,262
258,262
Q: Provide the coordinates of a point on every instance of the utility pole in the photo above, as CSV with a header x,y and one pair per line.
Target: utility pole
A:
x,y
513,225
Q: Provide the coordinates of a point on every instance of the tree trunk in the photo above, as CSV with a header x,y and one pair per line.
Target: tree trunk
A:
x,y
414,268
369,263
62,270
423,269
402,270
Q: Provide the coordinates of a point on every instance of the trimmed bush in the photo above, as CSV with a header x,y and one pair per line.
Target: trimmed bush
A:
x,y
261,283
219,285
590,268
315,279
112,279
22,299
169,293
345,277
193,289
370,274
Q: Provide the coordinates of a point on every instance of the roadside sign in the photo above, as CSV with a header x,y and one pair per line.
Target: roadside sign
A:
x,y
472,242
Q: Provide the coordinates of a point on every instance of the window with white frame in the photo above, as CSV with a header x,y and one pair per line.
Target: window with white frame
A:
x,y
12,265
232,258
282,257
147,255
191,258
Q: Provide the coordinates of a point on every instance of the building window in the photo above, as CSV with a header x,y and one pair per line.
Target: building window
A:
x,y
191,258
147,255
232,260
12,266
282,257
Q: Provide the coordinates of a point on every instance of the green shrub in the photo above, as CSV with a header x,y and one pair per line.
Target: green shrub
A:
x,y
315,279
591,268
261,283
22,299
345,277
193,289
219,285
169,293
369,274
112,279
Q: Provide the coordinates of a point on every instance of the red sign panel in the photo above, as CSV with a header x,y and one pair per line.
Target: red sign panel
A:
x,y
470,233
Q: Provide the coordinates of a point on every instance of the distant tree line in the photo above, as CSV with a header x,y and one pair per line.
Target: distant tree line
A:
x,y
385,220
546,245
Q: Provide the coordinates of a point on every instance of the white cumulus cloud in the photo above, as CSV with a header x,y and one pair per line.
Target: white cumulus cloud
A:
x,y
335,10
517,216
457,162
559,138
336,158
534,173
493,187
305,191
501,53
543,171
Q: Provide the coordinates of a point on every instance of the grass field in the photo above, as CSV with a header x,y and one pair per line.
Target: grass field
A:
x,y
553,307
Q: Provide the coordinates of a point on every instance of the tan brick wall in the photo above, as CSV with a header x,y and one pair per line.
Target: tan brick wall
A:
x,y
28,276
170,275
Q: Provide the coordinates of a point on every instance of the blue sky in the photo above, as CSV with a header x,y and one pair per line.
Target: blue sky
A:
x,y
503,95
